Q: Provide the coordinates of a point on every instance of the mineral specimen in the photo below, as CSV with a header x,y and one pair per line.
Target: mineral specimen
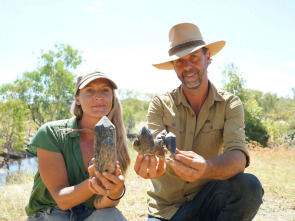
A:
x,y
164,144
105,146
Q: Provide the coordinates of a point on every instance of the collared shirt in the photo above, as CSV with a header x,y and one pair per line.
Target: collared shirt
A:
x,y
218,128
57,136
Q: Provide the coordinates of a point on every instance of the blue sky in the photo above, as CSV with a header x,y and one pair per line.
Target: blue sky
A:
x,y
125,37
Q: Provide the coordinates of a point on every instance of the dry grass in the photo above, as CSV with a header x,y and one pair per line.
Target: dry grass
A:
x,y
13,199
275,169
133,205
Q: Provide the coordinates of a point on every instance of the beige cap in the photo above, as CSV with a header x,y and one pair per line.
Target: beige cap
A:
x,y
87,76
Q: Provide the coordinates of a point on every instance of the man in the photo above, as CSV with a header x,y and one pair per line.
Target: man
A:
x,y
205,181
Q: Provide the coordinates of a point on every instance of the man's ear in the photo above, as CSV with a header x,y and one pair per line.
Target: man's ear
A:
x,y
77,100
208,57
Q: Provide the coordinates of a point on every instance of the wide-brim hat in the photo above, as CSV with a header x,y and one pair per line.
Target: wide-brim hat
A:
x,y
186,38
86,76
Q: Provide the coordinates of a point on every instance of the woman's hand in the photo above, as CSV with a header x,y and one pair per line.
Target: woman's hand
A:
x,y
106,184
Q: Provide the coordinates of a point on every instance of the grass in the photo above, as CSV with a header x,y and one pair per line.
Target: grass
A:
x,y
275,170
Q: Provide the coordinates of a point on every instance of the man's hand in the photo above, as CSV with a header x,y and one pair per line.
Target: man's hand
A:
x,y
149,167
188,165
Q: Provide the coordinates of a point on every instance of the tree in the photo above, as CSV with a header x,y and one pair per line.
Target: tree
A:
x,y
48,91
13,117
233,81
255,129
135,106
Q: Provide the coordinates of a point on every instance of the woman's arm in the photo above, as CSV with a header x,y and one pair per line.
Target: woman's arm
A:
x,y
54,175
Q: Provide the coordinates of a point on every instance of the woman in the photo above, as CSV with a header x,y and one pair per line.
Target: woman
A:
x,y
63,189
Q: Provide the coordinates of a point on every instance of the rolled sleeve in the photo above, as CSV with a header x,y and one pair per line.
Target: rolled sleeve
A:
x,y
234,133
155,116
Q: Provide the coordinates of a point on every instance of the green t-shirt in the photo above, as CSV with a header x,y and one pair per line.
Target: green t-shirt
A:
x,y
57,137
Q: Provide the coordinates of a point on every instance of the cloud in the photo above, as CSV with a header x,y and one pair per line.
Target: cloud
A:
x,y
1,63
290,64
94,8
98,2
91,9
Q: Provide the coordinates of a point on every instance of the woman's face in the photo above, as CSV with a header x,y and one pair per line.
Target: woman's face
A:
x,y
96,98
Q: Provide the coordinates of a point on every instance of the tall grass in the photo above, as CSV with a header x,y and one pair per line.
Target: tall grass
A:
x,y
275,170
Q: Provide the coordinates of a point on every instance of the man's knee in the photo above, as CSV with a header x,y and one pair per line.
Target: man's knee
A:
x,y
248,185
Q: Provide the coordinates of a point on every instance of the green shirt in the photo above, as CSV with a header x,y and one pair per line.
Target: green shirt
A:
x,y
219,128
57,137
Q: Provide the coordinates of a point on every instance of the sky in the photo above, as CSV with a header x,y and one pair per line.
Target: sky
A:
x,y
124,38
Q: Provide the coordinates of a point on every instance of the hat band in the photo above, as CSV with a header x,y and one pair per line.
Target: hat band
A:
x,y
184,46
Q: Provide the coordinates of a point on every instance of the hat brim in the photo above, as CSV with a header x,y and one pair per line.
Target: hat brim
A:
x,y
214,48
97,77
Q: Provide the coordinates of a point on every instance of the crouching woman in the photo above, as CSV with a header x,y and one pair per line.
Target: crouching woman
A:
x,y
63,188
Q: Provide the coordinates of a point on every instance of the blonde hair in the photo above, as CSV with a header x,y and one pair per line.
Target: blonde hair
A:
x,y
116,117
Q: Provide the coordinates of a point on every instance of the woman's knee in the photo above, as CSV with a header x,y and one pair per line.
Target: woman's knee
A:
x,y
107,214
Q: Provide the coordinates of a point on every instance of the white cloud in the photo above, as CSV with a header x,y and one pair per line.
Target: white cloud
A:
x,y
98,2
91,9
290,64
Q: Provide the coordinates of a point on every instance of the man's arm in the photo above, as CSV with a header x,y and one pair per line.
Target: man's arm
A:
x,y
190,166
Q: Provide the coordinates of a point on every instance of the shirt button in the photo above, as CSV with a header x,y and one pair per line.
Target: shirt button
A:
x,y
187,182
193,115
174,124
211,127
191,133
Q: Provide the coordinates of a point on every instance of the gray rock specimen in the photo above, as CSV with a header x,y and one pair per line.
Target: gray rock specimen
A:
x,y
105,154
164,145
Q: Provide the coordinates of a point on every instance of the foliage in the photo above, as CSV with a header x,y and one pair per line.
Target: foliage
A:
x,y
255,130
44,94
48,90
135,106
268,119
13,117
233,81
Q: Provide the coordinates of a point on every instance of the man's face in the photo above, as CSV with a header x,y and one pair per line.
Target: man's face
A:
x,y
192,68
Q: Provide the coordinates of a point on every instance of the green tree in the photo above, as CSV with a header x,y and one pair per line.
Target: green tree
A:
x,y
135,106
233,82
255,129
48,91
13,121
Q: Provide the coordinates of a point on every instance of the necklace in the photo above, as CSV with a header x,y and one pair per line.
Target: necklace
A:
x,y
86,147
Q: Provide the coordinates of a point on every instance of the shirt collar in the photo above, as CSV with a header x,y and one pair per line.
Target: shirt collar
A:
x,y
213,95
72,124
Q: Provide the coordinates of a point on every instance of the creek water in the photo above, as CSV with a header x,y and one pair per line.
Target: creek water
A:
x,y
26,167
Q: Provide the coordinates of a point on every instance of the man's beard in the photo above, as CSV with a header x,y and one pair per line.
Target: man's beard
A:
x,y
192,84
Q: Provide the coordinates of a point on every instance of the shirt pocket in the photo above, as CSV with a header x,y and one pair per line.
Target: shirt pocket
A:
x,y
210,139
173,124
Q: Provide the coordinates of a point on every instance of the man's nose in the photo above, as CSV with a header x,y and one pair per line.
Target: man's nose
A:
x,y
187,65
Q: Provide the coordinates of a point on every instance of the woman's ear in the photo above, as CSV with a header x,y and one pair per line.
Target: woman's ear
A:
x,y
77,100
